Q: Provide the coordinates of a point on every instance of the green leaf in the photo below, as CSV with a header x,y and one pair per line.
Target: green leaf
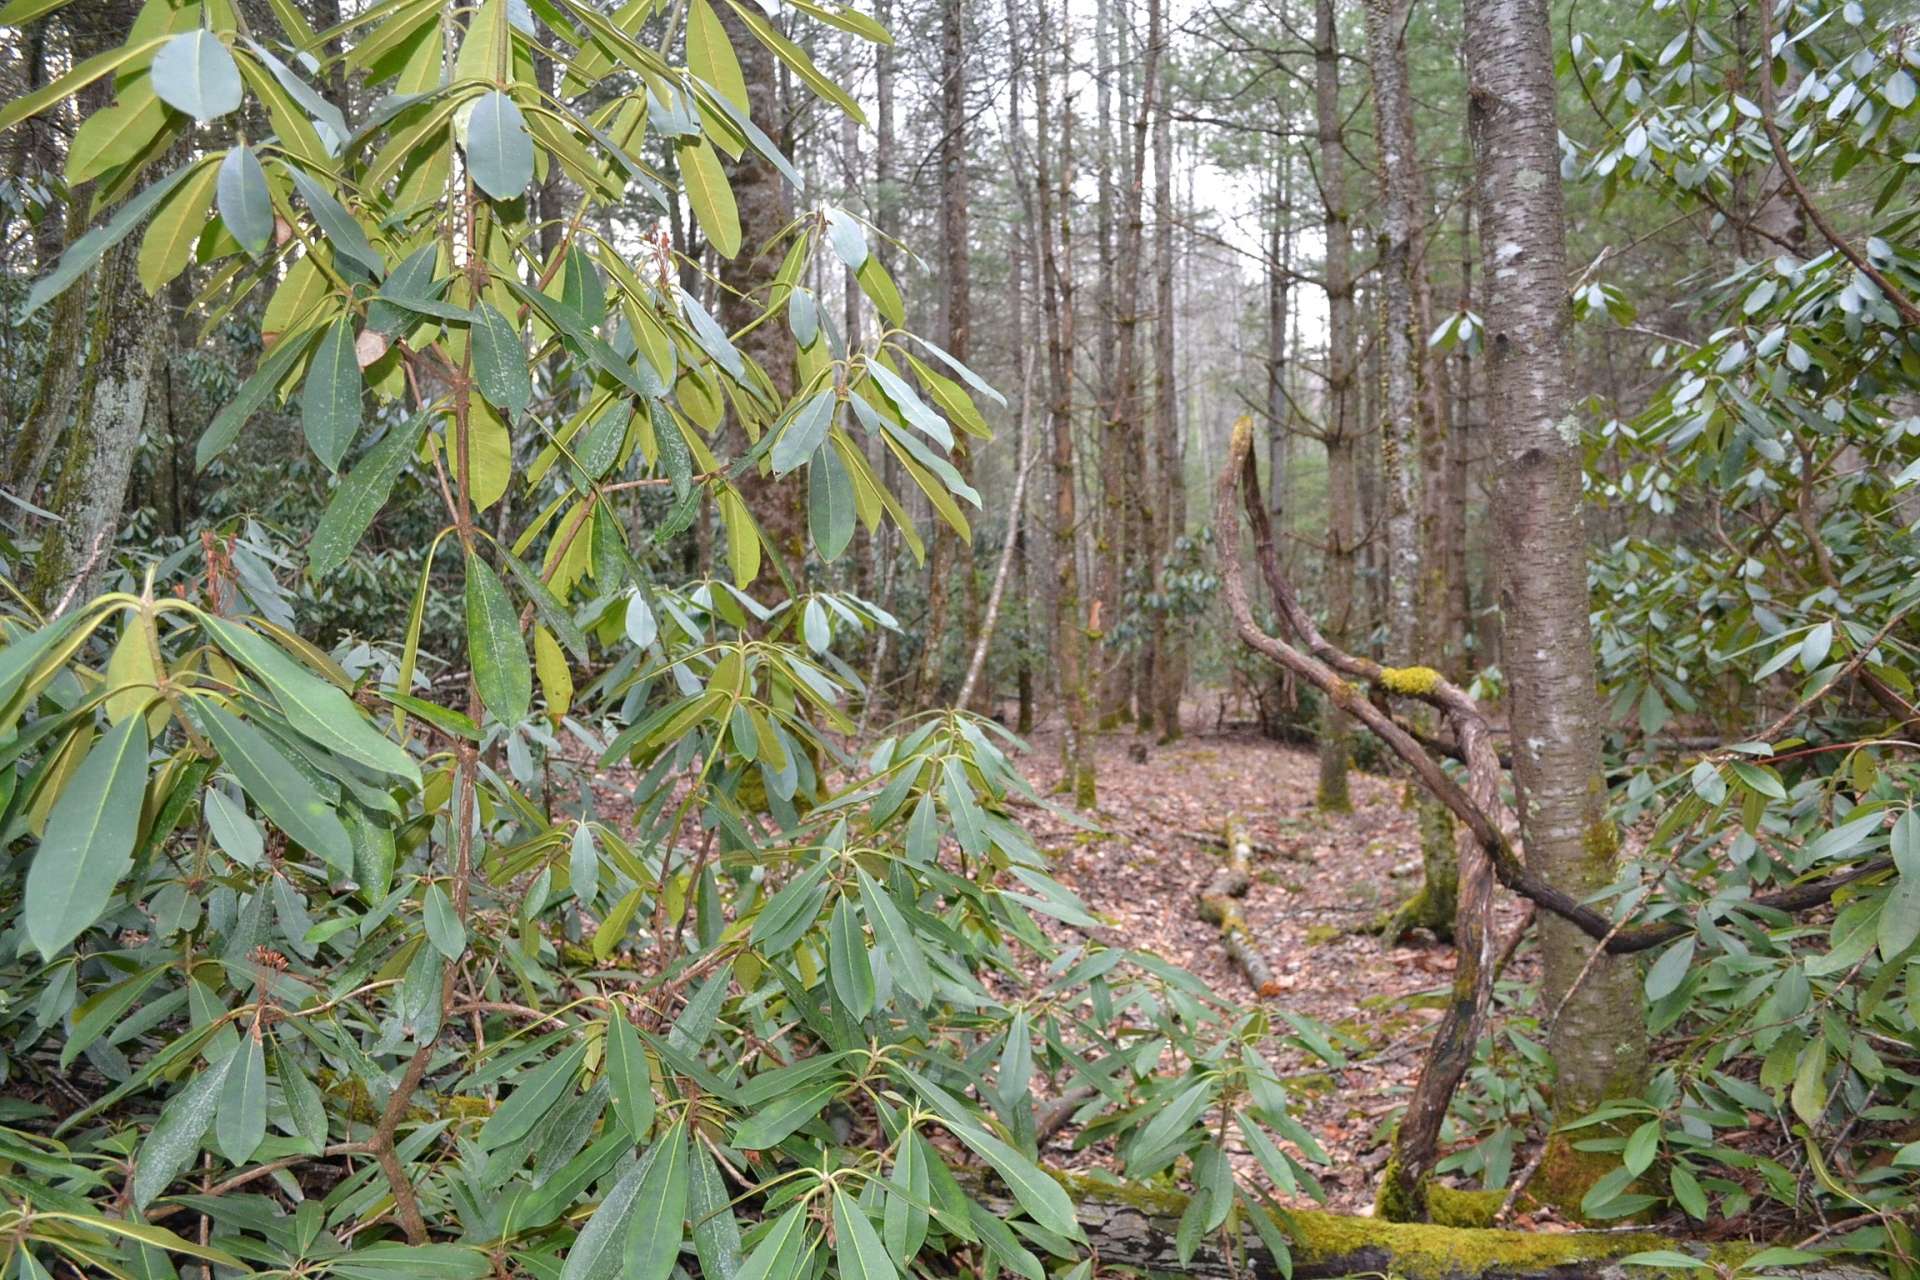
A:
x,y
847,963
499,151
1043,1198
242,1120
1661,1258
1900,917
194,73
716,1234
444,930
659,1218
271,781
330,409
89,838
1642,1146
857,1246
773,1123
349,240
1171,1122
772,1258
500,369
351,510
391,1260
597,1251
1687,1192
709,194
245,204
629,1079
318,709
534,1094
890,927
1671,969
494,645
175,1138
89,248
38,100
254,392
804,433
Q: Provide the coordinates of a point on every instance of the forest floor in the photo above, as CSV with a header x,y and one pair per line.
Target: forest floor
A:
x,y
1323,879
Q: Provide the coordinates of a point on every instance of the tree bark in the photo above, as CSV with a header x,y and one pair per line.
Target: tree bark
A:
x,y
1405,434
1056,291
1169,517
109,410
1342,497
1598,1041
765,207
957,316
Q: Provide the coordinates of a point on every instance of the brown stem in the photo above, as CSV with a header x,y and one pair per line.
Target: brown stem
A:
x,y
1901,303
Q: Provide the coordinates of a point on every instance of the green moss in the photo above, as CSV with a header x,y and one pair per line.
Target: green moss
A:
x,y
1084,793
1426,1251
1412,682
1602,842
1320,934
1418,1251
1452,1207
1567,1173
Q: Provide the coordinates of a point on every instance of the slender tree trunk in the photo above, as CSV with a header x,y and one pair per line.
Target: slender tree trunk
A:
x,y
1056,271
983,641
1169,657
765,206
1405,436
957,314
1342,498
1279,436
1598,1040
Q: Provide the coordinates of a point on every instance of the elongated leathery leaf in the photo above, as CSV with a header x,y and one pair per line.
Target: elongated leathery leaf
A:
x,y
499,654
89,840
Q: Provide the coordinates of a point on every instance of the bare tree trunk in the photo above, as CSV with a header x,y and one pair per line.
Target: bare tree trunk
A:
x,y
1405,436
1169,656
1056,271
957,313
766,206
1016,513
1279,436
1342,498
1598,1040
108,413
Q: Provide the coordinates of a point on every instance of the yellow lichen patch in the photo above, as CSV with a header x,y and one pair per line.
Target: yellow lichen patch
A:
x,y
1411,682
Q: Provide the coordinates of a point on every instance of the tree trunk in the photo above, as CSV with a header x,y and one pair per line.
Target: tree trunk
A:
x,y
766,207
1598,1038
1405,436
1342,561
1169,664
957,313
1056,271
109,409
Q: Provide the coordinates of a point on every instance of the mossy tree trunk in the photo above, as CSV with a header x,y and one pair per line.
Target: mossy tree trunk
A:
x,y
1598,1038
109,408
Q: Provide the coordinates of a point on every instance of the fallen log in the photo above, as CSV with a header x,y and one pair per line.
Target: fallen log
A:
x,y
1219,906
1135,1228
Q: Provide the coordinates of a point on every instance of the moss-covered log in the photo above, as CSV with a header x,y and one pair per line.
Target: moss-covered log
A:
x,y
1138,1229
1219,905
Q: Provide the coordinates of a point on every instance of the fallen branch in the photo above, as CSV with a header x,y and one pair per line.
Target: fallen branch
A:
x,y
1219,906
